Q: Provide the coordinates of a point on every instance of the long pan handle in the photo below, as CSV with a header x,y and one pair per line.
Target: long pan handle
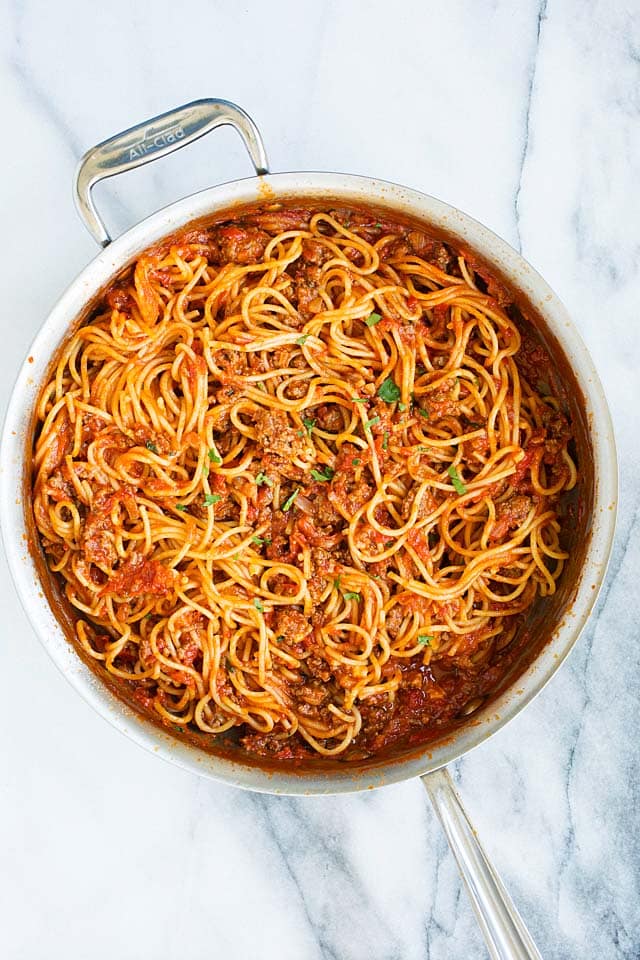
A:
x,y
504,932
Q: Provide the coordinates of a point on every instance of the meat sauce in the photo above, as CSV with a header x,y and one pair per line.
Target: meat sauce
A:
x,y
431,696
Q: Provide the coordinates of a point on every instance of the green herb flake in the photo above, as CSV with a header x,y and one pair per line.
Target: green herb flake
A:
x,y
260,540
402,407
214,456
323,476
263,478
280,638
359,400
151,446
303,339
211,498
352,596
356,461
179,729
181,506
385,440
423,413
258,604
300,433
373,319
205,471
378,226
371,423
426,640
309,423
286,506
336,583
458,485
389,391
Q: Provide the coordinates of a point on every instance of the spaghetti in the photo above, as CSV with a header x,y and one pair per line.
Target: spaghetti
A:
x,y
300,475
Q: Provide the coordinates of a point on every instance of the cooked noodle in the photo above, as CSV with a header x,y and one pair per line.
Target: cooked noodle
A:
x,y
300,474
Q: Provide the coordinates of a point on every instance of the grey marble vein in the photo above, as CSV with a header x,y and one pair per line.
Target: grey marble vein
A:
x,y
541,15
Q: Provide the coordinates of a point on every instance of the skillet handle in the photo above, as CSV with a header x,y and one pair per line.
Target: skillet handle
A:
x,y
153,139
504,932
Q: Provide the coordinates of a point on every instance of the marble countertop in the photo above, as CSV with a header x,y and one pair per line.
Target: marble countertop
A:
x,y
527,116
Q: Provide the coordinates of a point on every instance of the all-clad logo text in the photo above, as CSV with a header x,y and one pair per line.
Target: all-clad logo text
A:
x,y
153,141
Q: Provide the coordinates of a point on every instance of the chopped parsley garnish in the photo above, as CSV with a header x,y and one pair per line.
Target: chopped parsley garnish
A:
x,y
151,446
205,471
323,476
385,440
426,640
458,485
356,461
289,501
371,423
211,498
260,540
179,729
402,407
300,433
389,391
378,226
336,583
280,638
181,506
359,400
372,319
423,413
309,424
263,478
258,605
352,596
214,456
302,339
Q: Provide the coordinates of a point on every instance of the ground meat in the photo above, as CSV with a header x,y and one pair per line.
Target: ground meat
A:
x,y
478,447
280,221
314,693
440,403
58,487
314,251
318,667
433,251
330,417
275,435
291,624
305,294
242,244
120,299
268,745
98,543
509,515
393,621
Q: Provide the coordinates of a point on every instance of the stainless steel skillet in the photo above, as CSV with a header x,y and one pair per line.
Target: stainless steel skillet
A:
x,y
502,927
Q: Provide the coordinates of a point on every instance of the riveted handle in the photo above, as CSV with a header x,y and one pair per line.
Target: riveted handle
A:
x,y
153,139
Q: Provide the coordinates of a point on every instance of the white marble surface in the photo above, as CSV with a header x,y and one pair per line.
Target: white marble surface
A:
x,y
527,115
